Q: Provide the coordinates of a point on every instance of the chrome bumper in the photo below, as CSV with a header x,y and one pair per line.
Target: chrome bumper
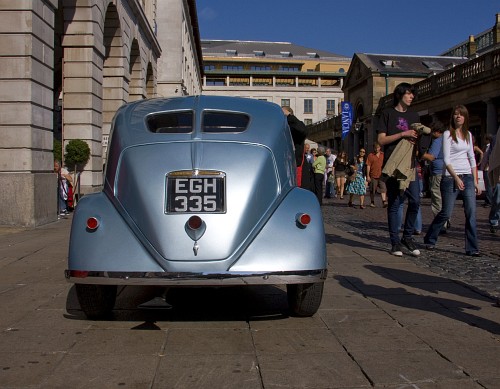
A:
x,y
195,279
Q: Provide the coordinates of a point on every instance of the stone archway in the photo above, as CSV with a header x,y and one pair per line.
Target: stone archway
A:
x,y
136,90
150,82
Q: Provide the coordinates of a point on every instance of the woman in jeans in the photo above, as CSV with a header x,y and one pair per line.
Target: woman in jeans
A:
x,y
459,175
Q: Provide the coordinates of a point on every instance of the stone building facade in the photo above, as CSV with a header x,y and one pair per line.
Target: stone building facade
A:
x,y
67,66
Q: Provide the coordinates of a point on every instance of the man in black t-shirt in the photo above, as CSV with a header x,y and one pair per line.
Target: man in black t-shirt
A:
x,y
395,127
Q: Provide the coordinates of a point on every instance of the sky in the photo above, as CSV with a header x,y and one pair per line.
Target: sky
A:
x,y
415,27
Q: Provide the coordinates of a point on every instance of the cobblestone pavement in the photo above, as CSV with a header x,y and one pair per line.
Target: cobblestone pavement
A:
x,y
448,259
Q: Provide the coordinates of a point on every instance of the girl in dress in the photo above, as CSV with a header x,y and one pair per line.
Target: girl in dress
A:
x,y
357,185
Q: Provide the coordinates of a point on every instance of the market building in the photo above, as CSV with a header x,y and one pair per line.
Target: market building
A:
x,y
307,80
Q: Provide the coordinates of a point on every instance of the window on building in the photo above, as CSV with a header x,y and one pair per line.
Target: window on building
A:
x,y
209,67
216,81
260,67
308,106
285,102
330,107
308,122
289,68
232,67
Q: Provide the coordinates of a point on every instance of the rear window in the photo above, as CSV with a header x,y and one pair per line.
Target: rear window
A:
x,y
171,122
224,122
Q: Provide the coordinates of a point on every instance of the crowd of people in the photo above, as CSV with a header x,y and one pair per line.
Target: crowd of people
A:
x,y
395,170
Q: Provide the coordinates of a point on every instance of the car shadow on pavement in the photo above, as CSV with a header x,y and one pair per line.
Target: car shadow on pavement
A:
x,y
235,303
436,296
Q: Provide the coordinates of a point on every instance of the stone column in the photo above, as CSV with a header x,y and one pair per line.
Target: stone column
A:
x,y
82,91
28,184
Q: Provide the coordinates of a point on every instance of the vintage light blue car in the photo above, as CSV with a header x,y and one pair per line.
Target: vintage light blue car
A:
x,y
198,191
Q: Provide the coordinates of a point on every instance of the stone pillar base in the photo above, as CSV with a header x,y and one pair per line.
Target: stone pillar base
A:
x,y
28,199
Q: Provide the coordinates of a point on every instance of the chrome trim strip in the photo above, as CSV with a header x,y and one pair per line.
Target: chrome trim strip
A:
x,y
198,279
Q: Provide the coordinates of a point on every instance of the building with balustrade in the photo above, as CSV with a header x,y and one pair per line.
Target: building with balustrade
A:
x,y
67,66
307,80
468,74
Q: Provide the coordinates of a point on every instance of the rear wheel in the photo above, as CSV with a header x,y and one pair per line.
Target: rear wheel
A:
x,y
96,300
304,299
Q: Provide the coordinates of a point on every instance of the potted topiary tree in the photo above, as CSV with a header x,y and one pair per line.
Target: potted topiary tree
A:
x,y
76,157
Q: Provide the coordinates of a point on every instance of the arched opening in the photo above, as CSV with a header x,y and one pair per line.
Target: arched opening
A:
x,y
136,90
150,82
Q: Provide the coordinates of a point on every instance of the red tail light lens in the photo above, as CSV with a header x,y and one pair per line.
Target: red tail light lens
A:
x,y
78,273
92,223
194,222
303,219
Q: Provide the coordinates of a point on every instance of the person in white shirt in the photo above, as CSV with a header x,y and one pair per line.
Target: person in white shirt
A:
x,y
459,175
328,180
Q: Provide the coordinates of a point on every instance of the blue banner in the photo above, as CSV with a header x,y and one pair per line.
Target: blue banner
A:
x,y
347,118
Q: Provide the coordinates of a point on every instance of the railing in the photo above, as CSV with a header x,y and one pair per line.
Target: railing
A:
x,y
471,72
483,41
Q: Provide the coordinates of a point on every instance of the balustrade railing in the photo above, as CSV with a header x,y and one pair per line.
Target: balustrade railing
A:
x,y
473,71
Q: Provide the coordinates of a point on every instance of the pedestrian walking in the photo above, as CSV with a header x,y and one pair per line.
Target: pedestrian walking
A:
x,y
374,164
328,182
460,176
435,158
339,168
319,166
357,182
395,127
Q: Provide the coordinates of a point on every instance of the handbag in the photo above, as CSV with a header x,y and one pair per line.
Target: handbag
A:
x,y
349,171
351,178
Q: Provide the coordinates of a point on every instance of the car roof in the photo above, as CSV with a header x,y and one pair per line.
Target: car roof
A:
x,y
267,121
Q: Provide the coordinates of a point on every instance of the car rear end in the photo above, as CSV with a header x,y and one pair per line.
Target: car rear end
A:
x,y
198,191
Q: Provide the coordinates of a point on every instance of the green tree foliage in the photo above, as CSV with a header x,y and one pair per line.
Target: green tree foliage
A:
x,y
77,154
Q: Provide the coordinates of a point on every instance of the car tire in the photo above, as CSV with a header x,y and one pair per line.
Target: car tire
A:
x,y
304,299
96,301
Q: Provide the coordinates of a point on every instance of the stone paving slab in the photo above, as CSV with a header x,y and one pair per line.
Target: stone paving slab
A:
x,y
208,371
385,322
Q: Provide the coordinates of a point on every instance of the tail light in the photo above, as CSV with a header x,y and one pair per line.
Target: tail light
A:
x,y
92,223
303,219
78,273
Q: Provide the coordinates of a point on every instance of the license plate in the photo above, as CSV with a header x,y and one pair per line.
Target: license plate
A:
x,y
188,192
